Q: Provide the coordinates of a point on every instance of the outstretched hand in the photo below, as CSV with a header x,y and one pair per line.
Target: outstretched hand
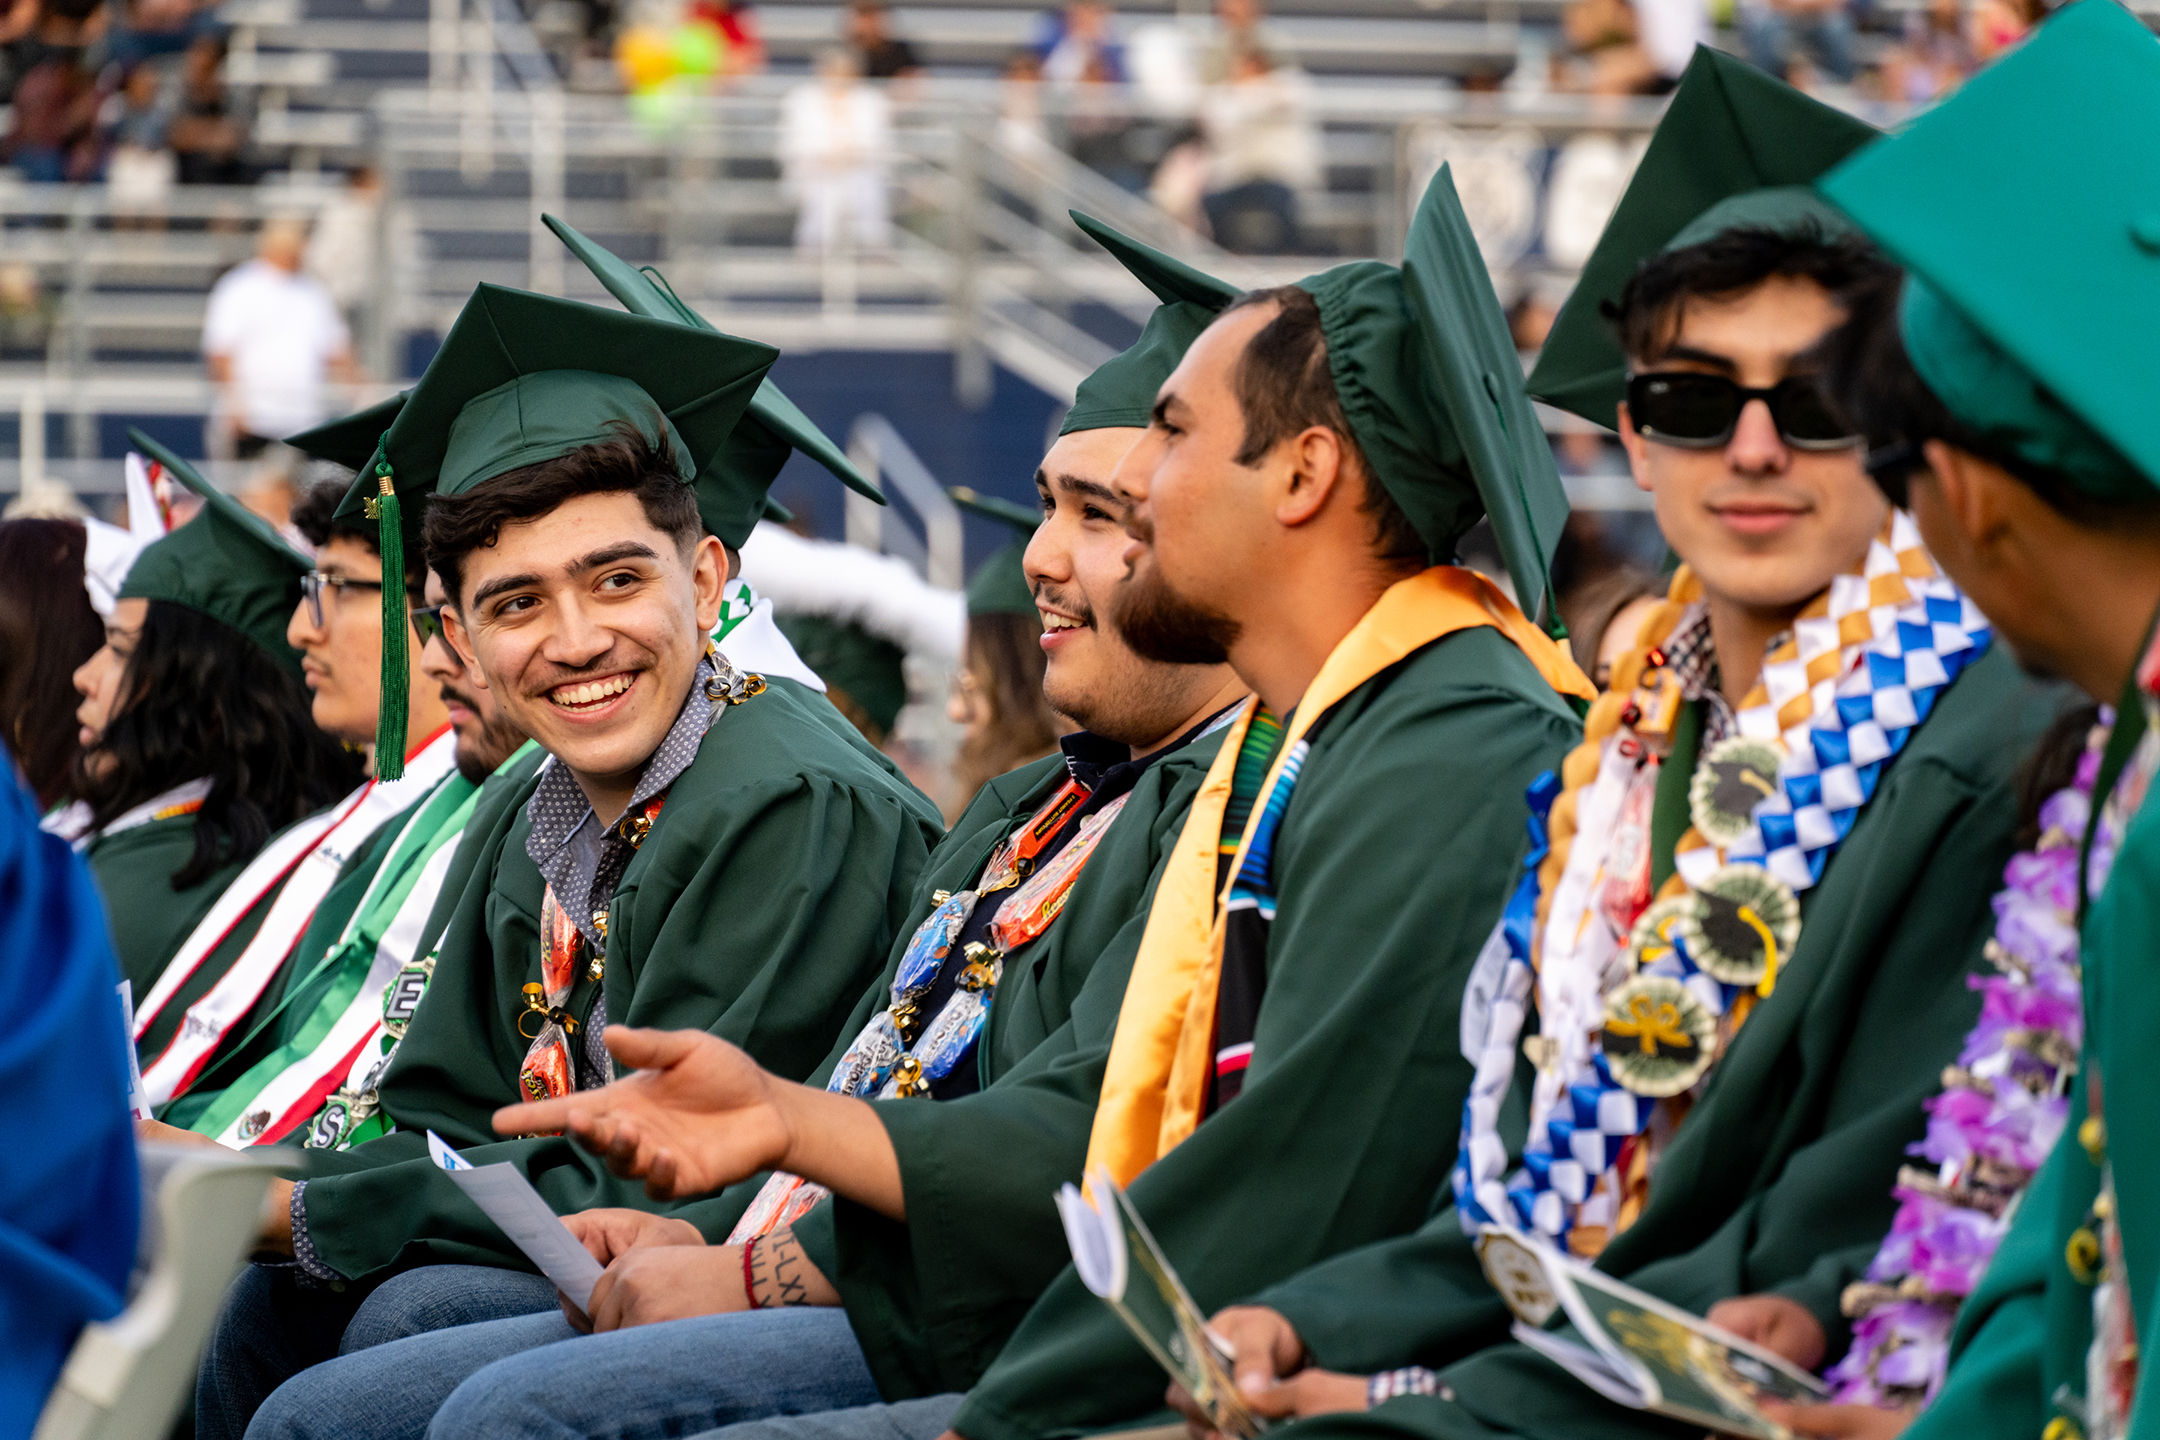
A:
x,y
697,1115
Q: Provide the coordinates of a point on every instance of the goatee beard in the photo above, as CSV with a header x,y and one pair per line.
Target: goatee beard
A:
x,y
1163,626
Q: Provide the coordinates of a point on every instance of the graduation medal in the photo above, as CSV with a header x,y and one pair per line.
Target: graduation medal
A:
x,y
898,1056
1638,996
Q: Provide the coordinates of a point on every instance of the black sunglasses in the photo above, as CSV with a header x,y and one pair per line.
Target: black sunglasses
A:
x,y
427,622
1700,412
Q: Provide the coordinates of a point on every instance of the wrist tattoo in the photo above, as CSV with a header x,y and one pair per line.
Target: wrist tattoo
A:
x,y
778,1271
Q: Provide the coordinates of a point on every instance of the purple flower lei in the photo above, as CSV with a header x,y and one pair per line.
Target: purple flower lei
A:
x,y
2003,1105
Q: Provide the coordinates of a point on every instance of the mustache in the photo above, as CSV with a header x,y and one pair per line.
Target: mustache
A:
x,y
543,675
452,695
1075,605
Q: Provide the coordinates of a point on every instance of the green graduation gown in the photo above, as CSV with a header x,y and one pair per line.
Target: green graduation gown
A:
x,y
1779,1180
768,890
2022,1337
931,1300
1392,862
149,918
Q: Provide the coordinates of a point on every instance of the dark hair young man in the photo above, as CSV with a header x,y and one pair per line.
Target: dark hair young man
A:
x,y
1811,733
937,1240
708,847
1268,1058
2006,386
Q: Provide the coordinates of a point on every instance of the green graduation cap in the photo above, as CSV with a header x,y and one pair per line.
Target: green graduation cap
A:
x,y
2034,321
226,563
999,585
1122,391
350,441
1432,386
523,378
868,668
731,486
1736,149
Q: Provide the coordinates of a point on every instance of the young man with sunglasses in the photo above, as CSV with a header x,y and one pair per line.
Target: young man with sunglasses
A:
x,y
1773,855
227,1041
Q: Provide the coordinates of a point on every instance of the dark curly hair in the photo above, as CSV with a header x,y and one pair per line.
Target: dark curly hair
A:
x,y
201,699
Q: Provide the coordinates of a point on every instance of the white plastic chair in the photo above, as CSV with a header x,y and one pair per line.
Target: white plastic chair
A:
x,y
127,1377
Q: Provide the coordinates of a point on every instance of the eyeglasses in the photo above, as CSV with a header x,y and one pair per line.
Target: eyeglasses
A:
x,y
1701,412
427,622
314,582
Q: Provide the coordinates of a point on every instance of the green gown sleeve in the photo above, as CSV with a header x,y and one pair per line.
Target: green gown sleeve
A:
x,y
150,920
758,909
1994,1386
1391,865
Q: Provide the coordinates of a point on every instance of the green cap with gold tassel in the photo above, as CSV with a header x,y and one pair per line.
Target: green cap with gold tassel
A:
x,y
391,712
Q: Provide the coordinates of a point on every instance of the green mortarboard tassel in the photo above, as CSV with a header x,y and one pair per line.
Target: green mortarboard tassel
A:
x,y
390,714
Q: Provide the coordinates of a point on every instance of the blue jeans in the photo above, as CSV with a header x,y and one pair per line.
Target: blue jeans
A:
x,y
655,1382
276,1340
924,1419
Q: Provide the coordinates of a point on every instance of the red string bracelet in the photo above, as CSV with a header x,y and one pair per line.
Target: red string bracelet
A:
x,y
750,1286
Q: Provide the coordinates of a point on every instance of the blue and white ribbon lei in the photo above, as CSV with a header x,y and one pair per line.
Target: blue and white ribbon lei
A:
x,y
1830,768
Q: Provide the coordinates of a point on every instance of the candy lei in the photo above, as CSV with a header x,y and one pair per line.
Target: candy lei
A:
x,y
2003,1107
900,1052
1638,994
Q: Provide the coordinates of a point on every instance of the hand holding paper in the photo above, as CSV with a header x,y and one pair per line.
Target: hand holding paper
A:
x,y
507,1198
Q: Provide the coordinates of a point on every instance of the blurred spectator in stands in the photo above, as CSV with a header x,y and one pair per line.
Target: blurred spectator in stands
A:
x,y
155,30
209,132
341,251
272,336
45,619
1097,119
1079,45
1180,182
1263,150
738,27
1794,38
1996,25
881,54
1631,47
1240,28
140,168
1932,59
835,148
1021,123
26,312
55,137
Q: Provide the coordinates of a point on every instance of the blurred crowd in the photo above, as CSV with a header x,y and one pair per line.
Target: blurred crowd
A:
x,y
131,92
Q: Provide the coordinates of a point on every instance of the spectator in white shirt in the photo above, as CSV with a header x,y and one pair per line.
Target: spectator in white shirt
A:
x,y
273,335
835,152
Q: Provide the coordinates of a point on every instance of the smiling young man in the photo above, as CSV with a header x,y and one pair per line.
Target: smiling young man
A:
x,y
1776,847
708,846
911,1236
1317,450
